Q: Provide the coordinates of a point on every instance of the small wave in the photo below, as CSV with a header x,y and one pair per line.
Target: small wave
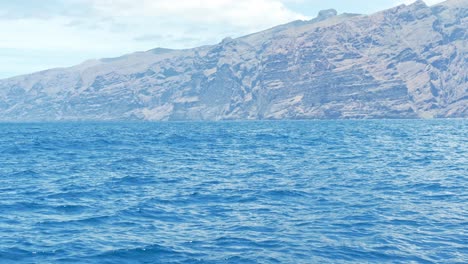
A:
x,y
236,242
14,150
146,254
88,221
15,254
25,173
152,212
285,193
132,180
135,160
177,139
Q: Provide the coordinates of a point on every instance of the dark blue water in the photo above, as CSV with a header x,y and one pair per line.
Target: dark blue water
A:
x,y
240,192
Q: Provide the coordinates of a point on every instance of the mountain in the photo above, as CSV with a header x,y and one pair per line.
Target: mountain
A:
x,y
406,62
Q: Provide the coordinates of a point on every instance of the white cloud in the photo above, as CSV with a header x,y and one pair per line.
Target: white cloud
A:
x,y
87,29
235,15
428,2
125,25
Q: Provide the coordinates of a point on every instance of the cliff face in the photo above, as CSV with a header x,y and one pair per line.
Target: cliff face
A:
x,y
405,62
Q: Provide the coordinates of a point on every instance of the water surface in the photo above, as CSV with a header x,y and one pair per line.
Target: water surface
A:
x,y
234,192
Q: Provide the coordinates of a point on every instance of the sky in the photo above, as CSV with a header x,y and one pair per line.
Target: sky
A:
x,y
42,34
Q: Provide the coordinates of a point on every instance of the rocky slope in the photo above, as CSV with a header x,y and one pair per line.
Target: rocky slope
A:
x,y
405,62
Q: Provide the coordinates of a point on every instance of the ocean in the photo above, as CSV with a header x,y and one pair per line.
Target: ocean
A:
x,y
378,191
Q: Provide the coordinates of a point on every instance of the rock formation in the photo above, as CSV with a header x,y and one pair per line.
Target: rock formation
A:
x,y
406,62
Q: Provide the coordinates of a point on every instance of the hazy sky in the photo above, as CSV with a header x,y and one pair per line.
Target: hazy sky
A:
x,y
41,34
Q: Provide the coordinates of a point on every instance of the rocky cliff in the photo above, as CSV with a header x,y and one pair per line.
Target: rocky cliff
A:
x,y
405,62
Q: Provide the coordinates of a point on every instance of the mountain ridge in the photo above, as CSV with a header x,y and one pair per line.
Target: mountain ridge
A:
x,y
405,62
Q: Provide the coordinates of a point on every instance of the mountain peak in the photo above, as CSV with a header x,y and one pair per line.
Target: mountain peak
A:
x,y
327,13
160,50
226,40
418,4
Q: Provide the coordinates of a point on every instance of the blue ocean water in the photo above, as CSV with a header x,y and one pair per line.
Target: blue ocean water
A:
x,y
235,192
